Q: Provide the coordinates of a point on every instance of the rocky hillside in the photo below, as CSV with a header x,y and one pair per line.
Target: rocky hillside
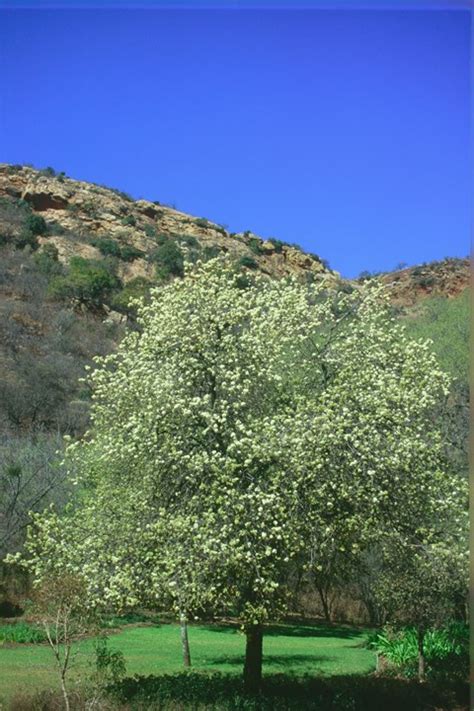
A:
x,y
79,215
412,285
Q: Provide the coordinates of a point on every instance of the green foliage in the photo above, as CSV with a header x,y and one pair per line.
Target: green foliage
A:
x,y
87,281
21,633
47,260
26,238
169,260
55,228
129,220
206,692
109,663
446,322
128,253
279,244
255,245
247,262
210,252
189,240
49,172
150,231
202,222
137,288
107,247
111,248
366,275
446,649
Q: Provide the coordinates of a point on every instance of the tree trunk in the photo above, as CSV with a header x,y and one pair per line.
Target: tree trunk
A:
x,y
185,640
253,659
65,694
421,655
324,596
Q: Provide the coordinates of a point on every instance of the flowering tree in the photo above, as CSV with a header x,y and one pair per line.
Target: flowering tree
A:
x,y
230,435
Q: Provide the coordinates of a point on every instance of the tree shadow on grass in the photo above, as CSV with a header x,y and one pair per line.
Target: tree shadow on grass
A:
x,y
287,630
309,631
281,660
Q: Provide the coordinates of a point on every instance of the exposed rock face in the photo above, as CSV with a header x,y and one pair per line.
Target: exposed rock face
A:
x,y
86,210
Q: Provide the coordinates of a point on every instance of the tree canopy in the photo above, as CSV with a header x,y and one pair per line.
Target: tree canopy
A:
x,y
239,431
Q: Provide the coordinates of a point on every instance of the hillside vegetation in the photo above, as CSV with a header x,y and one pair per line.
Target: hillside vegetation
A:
x,y
73,255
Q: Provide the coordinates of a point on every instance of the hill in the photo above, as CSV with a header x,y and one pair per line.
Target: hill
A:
x,y
73,254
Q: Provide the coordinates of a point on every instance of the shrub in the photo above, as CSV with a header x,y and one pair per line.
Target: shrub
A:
x,y
21,633
54,228
279,244
247,262
188,240
150,231
49,172
446,650
129,220
88,282
26,238
107,247
210,252
47,260
36,224
281,692
255,245
137,288
169,260
128,253
202,222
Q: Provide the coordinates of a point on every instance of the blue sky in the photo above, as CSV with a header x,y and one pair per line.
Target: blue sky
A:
x,y
346,131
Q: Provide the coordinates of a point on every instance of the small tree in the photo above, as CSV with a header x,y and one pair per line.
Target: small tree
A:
x,y
422,585
62,608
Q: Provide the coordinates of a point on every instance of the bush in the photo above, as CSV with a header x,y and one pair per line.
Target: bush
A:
x,y
278,244
169,260
54,228
188,240
255,245
137,288
36,224
49,172
111,248
26,238
128,253
107,247
129,220
202,222
204,692
247,262
446,650
150,231
47,260
210,252
88,281
21,633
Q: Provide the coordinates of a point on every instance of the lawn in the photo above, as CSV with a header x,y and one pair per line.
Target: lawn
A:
x,y
289,649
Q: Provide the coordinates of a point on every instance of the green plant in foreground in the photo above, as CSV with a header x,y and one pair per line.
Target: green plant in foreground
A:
x,y
446,649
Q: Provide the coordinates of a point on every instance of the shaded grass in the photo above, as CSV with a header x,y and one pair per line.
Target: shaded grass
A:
x,y
218,692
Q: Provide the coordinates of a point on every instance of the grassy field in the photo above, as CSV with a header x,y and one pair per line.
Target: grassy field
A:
x,y
289,649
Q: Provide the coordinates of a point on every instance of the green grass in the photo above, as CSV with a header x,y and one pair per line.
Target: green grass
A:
x,y
290,649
